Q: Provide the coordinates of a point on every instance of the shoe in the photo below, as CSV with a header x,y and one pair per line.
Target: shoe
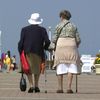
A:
x,y
37,89
31,89
60,91
69,91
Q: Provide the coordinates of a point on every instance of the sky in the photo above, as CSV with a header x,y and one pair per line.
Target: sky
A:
x,y
85,15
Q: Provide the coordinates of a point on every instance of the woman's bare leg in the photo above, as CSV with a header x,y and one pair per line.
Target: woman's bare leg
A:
x,y
69,81
30,79
36,79
60,82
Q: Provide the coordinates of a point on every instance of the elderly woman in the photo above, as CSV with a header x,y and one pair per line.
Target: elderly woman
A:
x,y
34,41
66,39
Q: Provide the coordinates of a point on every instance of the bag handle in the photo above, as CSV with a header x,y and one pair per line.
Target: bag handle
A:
x,y
60,33
22,73
62,28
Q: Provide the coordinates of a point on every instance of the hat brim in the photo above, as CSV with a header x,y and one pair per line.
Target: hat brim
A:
x,y
35,22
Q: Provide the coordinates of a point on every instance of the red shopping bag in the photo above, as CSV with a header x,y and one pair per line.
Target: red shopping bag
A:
x,y
24,62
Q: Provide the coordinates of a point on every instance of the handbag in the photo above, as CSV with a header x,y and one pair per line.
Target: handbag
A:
x,y
24,62
23,84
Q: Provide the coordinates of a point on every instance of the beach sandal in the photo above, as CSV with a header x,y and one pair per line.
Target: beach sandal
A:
x,y
69,91
59,91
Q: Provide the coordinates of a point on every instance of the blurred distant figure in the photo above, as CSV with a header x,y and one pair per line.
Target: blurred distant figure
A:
x,y
13,59
8,53
0,65
3,57
7,62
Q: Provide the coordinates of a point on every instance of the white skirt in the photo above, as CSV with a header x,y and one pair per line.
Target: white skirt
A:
x,y
68,68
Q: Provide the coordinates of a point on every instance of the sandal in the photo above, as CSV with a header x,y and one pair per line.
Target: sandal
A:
x,y
69,91
37,89
31,89
59,91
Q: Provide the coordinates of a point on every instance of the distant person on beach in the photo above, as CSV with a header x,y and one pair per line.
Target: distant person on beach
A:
x,y
1,65
34,40
13,59
66,39
7,62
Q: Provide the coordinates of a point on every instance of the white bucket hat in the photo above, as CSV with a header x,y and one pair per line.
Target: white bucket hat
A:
x,y
35,19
